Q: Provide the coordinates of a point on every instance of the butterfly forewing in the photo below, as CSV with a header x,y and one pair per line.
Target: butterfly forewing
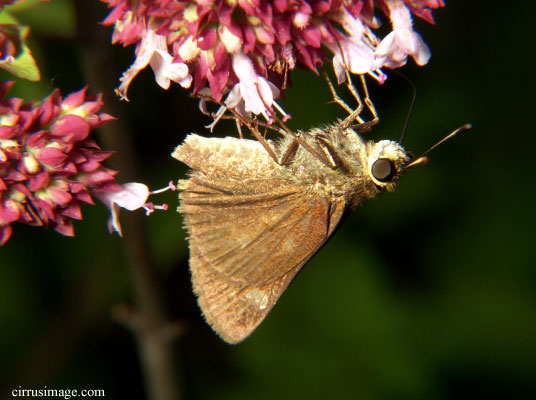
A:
x,y
248,240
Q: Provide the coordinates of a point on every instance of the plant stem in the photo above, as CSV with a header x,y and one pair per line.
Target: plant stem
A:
x,y
155,347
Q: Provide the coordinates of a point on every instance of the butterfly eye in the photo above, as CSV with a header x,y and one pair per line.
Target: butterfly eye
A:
x,y
383,170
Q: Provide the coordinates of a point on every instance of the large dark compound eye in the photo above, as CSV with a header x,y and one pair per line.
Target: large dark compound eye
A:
x,y
383,170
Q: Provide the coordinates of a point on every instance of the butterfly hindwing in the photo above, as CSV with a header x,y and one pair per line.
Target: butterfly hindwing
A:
x,y
247,245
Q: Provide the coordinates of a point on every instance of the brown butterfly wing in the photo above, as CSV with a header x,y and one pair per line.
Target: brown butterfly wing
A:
x,y
246,248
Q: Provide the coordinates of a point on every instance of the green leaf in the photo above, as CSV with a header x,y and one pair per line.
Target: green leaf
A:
x,y
22,64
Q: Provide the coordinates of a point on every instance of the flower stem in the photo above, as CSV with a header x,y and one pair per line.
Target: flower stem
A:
x,y
157,351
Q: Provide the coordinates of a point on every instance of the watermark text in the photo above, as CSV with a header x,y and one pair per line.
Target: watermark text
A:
x,y
58,393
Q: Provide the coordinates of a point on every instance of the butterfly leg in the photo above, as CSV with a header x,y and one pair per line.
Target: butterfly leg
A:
x,y
291,149
369,103
260,137
297,138
363,126
326,148
285,154
322,152
323,155
354,114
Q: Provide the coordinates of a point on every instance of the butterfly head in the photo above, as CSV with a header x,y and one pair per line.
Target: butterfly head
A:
x,y
385,163
387,160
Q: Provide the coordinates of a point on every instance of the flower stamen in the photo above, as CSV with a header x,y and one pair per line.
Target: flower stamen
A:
x,y
171,186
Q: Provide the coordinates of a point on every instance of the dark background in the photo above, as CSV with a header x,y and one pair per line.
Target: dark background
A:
x,y
427,293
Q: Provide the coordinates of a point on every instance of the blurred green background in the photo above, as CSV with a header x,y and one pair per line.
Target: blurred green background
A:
x,y
427,293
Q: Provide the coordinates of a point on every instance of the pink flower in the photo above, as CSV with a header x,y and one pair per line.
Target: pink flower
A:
x,y
48,162
216,39
402,41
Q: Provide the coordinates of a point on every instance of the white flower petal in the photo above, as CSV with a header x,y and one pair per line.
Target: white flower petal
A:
x,y
153,50
203,101
422,52
165,70
131,197
402,41
357,58
243,68
257,96
400,15
234,97
186,82
275,90
113,221
387,45
252,100
250,88
144,53
339,68
354,27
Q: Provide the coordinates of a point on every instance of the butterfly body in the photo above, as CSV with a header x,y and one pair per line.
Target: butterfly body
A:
x,y
253,224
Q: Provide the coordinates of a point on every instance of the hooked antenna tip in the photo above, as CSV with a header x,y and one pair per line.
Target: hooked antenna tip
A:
x,y
465,127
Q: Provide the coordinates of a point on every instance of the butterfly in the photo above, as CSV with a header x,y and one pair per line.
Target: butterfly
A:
x,y
256,211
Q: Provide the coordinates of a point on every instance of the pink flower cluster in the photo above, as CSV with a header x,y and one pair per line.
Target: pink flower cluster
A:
x,y
48,162
245,48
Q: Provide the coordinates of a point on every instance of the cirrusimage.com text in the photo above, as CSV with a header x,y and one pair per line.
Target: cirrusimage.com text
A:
x,y
58,393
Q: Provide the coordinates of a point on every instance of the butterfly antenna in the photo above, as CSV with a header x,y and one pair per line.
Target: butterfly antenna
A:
x,y
411,106
423,159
